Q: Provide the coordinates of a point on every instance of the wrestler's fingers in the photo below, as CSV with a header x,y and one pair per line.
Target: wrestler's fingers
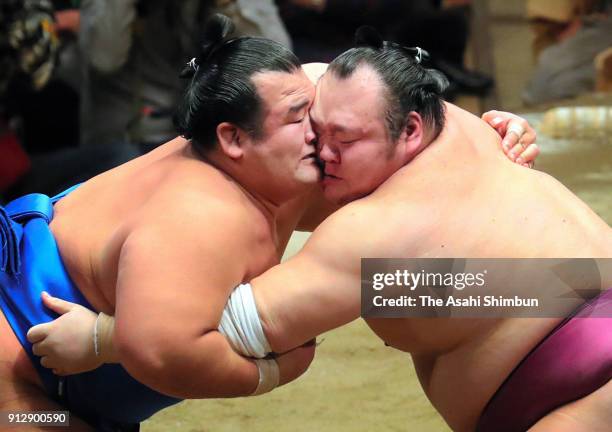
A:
x,y
46,362
529,137
489,115
38,332
516,128
38,349
508,124
495,119
513,135
57,304
514,153
529,155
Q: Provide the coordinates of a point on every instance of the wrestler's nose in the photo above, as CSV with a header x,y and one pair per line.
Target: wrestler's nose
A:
x,y
326,153
309,136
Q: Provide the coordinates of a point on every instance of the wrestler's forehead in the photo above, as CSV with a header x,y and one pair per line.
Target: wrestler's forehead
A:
x,y
344,98
281,89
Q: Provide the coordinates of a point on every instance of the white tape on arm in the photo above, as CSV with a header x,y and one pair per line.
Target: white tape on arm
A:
x,y
269,376
241,326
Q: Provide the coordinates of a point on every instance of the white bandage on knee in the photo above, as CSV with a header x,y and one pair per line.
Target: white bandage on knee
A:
x,y
241,326
268,376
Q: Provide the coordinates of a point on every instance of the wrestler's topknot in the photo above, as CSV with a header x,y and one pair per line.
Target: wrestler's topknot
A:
x,y
368,36
216,31
410,86
221,89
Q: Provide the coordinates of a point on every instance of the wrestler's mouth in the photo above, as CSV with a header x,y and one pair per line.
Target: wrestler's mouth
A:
x,y
329,179
312,155
330,176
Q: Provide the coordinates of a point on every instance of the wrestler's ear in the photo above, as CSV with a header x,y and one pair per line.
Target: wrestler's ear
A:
x,y
231,140
411,137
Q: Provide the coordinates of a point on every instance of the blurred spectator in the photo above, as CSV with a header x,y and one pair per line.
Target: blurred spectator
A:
x,y
567,67
254,18
603,67
133,52
27,58
552,21
444,32
27,43
14,162
321,29
47,115
67,25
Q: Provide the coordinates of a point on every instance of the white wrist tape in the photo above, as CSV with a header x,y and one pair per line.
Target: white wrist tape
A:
x,y
241,326
96,337
268,376
103,337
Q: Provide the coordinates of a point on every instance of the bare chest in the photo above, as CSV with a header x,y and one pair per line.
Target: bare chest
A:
x,y
262,250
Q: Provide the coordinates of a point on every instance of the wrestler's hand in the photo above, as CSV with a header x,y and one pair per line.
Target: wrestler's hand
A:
x,y
518,136
66,343
294,363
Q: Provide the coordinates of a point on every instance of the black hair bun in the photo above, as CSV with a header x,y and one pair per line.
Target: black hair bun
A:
x,y
367,36
419,54
216,30
437,82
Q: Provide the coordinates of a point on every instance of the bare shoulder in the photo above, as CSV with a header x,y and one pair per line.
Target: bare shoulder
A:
x,y
461,114
195,244
341,226
469,124
369,227
198,194
193,217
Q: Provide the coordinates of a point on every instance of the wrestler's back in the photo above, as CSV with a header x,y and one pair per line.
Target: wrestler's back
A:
x,y
434,208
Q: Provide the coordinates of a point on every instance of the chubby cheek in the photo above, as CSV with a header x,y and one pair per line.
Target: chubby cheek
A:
x,y
293,139
354,165
361,175
294,130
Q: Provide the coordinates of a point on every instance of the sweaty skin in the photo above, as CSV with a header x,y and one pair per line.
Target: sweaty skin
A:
x,y
135,263
458,198
162,240
164,190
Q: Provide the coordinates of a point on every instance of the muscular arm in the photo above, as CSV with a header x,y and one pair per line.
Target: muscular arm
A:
x,y
172,286
319,288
